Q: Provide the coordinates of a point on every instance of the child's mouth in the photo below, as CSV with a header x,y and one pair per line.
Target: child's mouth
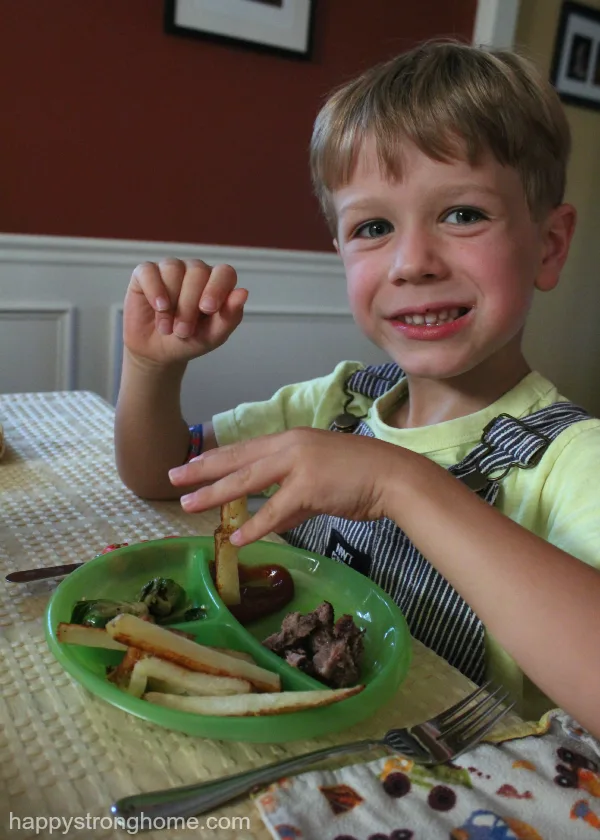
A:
x,y
432,318
432,324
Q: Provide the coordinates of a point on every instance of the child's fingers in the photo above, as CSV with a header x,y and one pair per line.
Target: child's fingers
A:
x,y
220,284
250,478
148,280
222,461
234,305
196,277
225,321
280,513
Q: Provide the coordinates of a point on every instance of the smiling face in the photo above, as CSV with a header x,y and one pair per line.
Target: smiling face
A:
x,y
442,262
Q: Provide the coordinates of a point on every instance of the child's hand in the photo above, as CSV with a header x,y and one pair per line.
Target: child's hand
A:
x,y
318,472
175,311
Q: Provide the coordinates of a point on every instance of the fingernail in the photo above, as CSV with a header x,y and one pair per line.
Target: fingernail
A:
x,y
208,305
164,327
182,330
187,501
176,472
235,538
162,304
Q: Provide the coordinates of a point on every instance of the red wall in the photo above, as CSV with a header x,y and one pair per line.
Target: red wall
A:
x,y
110,128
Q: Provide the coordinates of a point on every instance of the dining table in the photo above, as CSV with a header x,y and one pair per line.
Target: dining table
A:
x,y
66,755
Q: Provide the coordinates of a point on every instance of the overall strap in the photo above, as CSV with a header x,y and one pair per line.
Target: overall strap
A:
x,y
508,442
373,381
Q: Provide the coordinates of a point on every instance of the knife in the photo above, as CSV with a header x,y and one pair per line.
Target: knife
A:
x,y
42,574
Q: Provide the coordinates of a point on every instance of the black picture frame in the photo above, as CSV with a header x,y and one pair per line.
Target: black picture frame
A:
x,y
575,71
302,34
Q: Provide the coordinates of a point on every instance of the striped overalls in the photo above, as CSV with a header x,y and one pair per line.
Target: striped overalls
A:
x,y
436,614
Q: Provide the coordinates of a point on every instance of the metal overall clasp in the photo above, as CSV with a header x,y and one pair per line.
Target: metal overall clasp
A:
x,y
346,422
478,479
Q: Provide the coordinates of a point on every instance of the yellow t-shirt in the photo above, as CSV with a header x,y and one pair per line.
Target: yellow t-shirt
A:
x,y
559,500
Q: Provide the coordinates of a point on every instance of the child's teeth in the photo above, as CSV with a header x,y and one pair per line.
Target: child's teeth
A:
x,y
431,318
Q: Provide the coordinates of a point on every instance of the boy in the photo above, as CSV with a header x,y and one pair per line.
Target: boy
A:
x,y
467,486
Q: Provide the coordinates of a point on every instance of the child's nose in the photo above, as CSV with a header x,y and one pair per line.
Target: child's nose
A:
x,y
417,258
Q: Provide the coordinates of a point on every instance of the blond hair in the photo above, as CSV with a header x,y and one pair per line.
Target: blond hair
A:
x,y
451,100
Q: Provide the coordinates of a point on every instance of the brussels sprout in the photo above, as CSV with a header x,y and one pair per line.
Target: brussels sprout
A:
x,y
194,613
162,596
96,613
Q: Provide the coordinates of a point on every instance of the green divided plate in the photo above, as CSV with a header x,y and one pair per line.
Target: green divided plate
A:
x,y
121,573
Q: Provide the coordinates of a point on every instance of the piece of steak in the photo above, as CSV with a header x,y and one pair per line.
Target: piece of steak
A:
x,y
313,643
299,659
295,628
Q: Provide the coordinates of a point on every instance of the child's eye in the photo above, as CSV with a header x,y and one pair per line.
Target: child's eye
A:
x,y
464,216
373,230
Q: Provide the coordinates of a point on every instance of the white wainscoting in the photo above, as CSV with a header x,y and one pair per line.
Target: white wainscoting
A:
x,y
44,331
61,319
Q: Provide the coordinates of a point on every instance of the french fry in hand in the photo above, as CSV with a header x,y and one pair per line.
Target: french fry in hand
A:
x,y
158,641
233,516
245,705
227,578
177,680
79,634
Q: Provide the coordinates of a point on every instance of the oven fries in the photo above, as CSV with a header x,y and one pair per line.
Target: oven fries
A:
x,y
173,679
79,634
121,674
233,516
172,670
158,641
237,654
245,705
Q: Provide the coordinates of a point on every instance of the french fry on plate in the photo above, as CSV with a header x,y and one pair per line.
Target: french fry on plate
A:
x,y
133,632
233,516
121,674
174,679
79,634
237,654
97,637
244,705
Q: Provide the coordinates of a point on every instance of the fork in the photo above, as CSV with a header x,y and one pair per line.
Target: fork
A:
x,y
440,739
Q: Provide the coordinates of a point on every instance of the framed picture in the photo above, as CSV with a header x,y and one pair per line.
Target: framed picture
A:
x,y
576,62
283,27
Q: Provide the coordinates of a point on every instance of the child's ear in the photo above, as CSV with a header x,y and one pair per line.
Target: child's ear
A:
x,y
558,232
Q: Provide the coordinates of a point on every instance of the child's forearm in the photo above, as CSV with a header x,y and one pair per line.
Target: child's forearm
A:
x,y
151,435
540,603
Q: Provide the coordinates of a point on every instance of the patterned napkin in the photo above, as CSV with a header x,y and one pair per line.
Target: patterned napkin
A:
x,y
532,788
